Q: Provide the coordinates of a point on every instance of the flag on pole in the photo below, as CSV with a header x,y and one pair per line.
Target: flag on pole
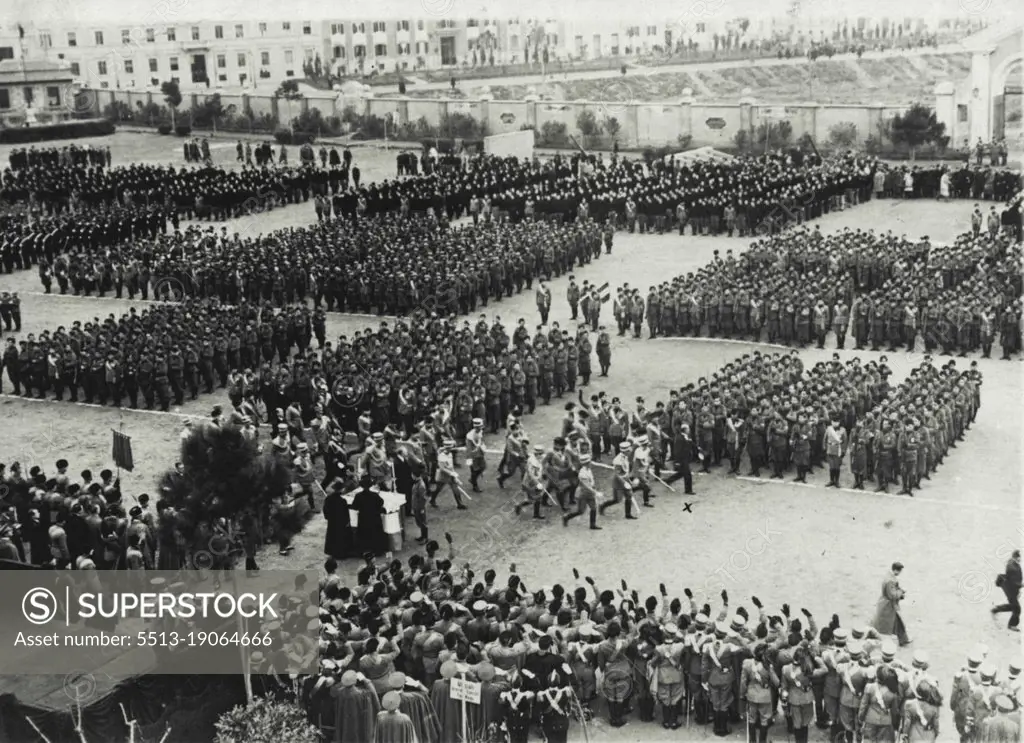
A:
x,y
603,292
123,451
21,31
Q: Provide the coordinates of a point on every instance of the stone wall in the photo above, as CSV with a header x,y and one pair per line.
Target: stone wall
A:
x,y
640,124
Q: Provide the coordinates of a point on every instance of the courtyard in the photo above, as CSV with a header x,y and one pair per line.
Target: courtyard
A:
x,y
822,549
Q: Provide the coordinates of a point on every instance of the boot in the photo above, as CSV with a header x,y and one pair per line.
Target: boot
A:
x,y
666,717
629,509
593,520
700,715
536,511
762,734
752,732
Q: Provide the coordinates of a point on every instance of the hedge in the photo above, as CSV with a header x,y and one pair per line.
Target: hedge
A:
x,y
164,129
287,136
64,130
183,130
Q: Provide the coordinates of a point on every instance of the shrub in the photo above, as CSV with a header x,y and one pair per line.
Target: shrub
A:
x,y
843,136
164,129
266,721
283,136
118,111
183,130
313,121
553,134
461,126
152,114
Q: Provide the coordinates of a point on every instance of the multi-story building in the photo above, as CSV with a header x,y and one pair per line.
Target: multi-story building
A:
x,y
250,53
246,53
407,45
202,53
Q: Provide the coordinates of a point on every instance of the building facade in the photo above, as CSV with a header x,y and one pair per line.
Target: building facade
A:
x,y
235,53
34,92
253,53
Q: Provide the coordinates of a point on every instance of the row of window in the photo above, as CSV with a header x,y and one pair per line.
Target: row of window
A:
x,y
52,96
381,50
171,33
241,59
377,27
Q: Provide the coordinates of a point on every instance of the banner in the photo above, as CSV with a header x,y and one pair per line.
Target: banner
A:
x,y
123,451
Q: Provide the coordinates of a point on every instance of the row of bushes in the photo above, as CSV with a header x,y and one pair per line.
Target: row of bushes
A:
x,y
63,130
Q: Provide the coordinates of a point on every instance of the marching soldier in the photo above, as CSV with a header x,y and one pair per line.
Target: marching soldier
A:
x,y
588,496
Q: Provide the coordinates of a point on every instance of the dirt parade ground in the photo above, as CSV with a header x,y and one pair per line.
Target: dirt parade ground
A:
x,y
826,550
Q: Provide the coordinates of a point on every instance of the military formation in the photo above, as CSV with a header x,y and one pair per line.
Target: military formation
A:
x,y
156,356
803,287
206,192
765,190
771,413
388,265
59,157
430,371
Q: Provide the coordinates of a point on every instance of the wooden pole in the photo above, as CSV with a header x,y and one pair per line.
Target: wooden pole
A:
x,y
246,674
465,722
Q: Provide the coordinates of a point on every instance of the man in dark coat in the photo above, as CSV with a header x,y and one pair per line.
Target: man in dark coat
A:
x,y
370,536
1010,582
338,541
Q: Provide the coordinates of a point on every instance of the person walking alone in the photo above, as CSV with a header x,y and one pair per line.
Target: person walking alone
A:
x,y
1010,582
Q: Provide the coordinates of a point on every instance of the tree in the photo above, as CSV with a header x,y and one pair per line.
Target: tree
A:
x,y
537,38
172,96
119,111
224,481
318,67
612,127
209,112
588,125
289,91
918,126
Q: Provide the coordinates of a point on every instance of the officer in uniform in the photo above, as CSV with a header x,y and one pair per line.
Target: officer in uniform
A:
x,y
587,494
908,448
622,488
604,351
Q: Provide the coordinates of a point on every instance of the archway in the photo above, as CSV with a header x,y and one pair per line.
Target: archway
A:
x,y
1008,87
995,79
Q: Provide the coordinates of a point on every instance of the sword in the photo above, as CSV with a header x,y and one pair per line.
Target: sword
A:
x,y
550,498
662,482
